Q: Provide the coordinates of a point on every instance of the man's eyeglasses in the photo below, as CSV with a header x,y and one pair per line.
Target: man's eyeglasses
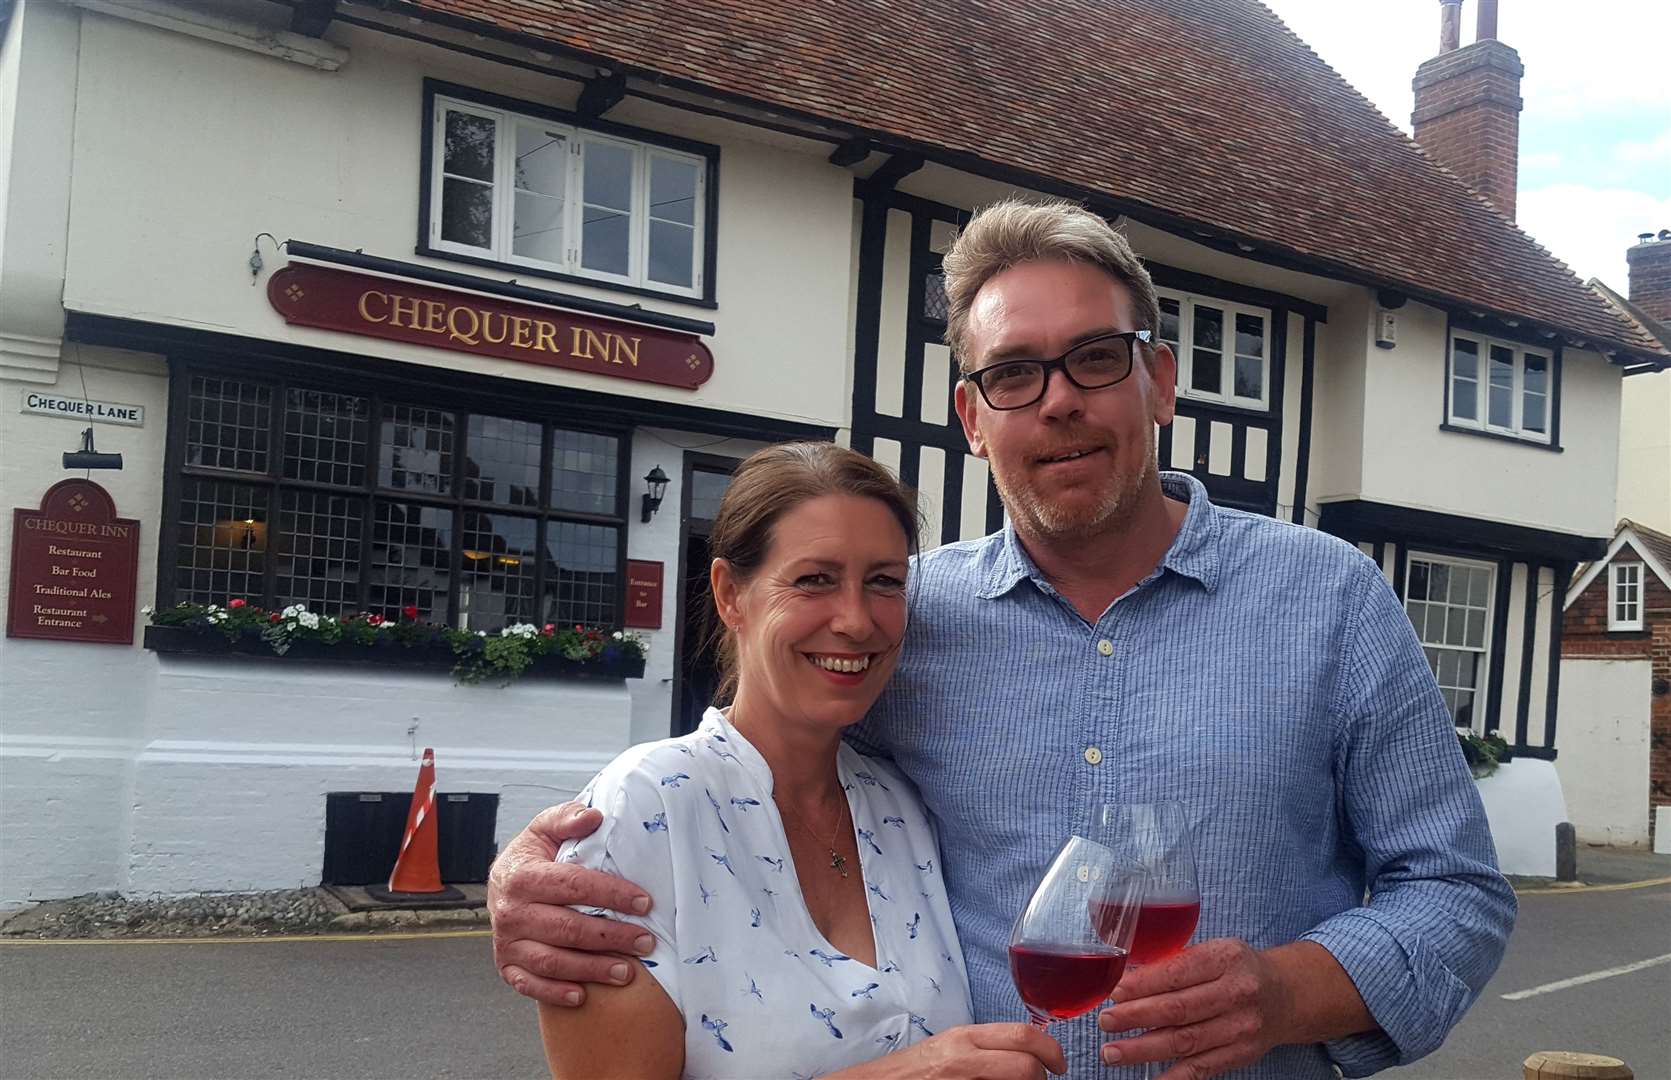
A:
x,y
1090,365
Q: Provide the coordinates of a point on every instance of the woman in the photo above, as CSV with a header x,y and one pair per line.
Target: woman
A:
x,y
801,925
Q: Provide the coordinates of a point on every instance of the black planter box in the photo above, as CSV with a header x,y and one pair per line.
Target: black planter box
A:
x,y
384,653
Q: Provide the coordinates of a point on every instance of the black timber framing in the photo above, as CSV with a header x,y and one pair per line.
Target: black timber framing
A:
x,y
1361,519
312,17
1528,642
1499,645
1302,454
1563,580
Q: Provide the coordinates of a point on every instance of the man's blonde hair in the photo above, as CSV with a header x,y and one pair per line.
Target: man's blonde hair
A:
x,y
1014,231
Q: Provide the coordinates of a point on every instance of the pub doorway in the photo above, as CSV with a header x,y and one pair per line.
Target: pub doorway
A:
x,y
696,678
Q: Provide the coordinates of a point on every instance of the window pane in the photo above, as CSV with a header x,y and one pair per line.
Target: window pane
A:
x,y
603,241
1416,587
221,545
1465,359
1209,327
1465,370
582,577
1418,618
1250,335
1463,709
1537,374
1467,669
1501,400
503,462
1169,320
1447,668
1476,629
672,252
1531,412
496,583
706,491
469,146
1455,626
411,560
934,296
1250,376
1438,581
1205,371
538,230
466,213
319,554
325,437
228,424
673,190
1465,399
417,450
541,161
608,176
1479,587
585,472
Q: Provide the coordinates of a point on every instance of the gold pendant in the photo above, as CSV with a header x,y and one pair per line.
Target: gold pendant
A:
x,y
838,862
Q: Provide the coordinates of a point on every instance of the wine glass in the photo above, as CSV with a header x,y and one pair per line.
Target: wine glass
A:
x,y
1156,838
1069,945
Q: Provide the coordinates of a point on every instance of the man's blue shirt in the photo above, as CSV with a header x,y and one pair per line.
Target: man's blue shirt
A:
x,y
1266,676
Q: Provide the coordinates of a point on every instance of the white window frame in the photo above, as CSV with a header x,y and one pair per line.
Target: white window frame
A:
x,y
1482,393
1482,663
504,162
1184,348
1616,586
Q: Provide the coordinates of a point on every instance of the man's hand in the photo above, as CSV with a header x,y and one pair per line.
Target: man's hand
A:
x,y
1221,1005
541,947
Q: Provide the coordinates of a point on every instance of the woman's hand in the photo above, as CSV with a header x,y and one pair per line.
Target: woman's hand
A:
x,y
972,1052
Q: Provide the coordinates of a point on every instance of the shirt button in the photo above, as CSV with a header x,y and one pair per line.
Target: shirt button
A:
x,y
1105,647
1093,755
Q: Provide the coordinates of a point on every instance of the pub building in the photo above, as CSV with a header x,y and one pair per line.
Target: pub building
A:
x,y
462,314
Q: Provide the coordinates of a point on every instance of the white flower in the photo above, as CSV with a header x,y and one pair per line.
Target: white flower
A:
x,y
481,633
291,611
217,616
146,610
617,635
308,619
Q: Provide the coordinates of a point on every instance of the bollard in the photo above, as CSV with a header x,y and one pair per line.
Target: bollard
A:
x,y
1566,852
1567,1065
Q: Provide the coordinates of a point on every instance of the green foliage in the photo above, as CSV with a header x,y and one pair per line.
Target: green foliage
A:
x,y
1483,754
480,656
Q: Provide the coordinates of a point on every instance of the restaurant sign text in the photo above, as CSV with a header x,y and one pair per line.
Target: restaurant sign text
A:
x,y
75,567
356,303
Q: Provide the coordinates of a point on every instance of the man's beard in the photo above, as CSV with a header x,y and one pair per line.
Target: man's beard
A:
x,y
1041,516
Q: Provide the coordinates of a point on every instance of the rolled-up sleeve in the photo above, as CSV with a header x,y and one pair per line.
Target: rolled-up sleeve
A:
x,y
1438,913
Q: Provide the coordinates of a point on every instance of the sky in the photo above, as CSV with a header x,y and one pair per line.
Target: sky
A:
x,y
1595,133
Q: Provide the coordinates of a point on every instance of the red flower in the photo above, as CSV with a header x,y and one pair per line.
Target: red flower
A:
x,y
578,628
235,603
410,611
550,628
375,620
274,617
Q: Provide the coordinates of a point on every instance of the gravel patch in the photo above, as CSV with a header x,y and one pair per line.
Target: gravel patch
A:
x,y
286,911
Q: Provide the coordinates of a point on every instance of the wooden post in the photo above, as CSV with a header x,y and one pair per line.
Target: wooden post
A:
x,y
1568,1065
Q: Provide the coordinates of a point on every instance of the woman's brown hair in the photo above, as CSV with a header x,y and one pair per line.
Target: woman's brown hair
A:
x,y
769,484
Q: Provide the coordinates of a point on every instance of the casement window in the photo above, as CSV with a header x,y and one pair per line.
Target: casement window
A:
x,y
528,192
1500,387
352,499
1449,603
1223,349
1624,596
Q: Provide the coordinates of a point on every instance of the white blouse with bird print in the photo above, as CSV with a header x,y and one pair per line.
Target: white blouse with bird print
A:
x,y
691,820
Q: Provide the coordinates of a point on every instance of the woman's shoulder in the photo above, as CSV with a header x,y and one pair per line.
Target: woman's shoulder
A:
x,y
646,770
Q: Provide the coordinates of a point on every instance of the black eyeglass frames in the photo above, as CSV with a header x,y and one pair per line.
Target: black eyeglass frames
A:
x,y
1091,365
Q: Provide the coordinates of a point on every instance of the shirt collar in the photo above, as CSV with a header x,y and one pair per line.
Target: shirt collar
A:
x,y
1193,554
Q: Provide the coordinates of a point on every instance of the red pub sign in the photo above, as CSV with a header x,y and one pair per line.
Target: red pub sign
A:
x,y
75,567
355,303
643,594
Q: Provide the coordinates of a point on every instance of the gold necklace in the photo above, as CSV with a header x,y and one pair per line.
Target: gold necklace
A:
x,y
838,861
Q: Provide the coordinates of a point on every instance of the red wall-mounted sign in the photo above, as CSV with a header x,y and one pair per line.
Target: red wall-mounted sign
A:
x,y
332,299
75,567
644,594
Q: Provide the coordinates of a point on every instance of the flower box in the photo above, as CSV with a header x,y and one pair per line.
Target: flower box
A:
x,y
426,656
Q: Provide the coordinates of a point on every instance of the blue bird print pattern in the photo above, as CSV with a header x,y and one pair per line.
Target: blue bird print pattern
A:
x,y
755,913
828,1016
717,1026
921,1024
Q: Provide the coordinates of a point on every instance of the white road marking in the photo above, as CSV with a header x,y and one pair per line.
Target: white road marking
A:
x,y
1594,976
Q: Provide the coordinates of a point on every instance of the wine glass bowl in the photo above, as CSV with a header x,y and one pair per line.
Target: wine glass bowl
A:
x,y
1069,946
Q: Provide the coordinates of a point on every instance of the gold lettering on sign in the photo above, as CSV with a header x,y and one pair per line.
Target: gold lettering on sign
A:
x,y
365,311
621,349
455,318
520,325
433,311
487,327
545,336
404,306
584,341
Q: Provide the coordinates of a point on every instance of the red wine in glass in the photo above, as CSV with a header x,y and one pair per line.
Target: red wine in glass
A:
x,y
1163,926
1065,961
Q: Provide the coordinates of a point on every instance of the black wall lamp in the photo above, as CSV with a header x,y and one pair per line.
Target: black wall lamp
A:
x,y
655,484
88,457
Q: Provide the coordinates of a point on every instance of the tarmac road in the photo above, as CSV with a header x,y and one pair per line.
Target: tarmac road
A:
x,y
429,1005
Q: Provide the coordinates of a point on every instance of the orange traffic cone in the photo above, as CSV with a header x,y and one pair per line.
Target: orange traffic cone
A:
x,y
418,866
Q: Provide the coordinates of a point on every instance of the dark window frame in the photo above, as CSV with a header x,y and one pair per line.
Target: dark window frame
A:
x,y
710,203
459,405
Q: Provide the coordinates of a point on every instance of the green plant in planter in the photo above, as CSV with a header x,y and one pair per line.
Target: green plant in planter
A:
x,y
1483,753
479,655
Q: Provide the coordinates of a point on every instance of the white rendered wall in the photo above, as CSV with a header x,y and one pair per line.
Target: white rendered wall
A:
x,y
1523,804
185,150
1645,451
1604,748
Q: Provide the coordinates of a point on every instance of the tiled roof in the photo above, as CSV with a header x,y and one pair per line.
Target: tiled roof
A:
x,y
1208,113
1656,543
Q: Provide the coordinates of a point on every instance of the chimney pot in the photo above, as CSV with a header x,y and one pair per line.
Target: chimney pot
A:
x,y
1450,25
1649,263
1486,28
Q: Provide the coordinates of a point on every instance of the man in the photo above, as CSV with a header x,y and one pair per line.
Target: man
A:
x,y
1124,640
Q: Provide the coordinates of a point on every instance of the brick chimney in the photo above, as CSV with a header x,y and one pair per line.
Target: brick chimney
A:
x,y
1467,114
1650,275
